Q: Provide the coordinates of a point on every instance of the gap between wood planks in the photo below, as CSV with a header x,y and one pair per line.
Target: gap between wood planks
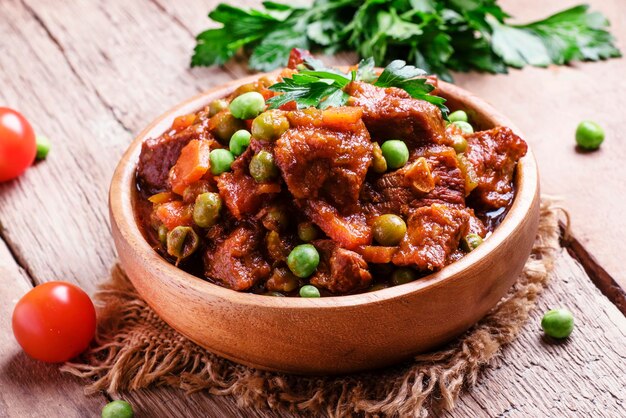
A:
x,y
598,275
16,257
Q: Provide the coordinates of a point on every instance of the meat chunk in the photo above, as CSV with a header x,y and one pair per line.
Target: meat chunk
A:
x,y
390,113
236,261
242,195
433,176
340,270
350,231
433,234
319,162
449,181
158,156
494,155
397,191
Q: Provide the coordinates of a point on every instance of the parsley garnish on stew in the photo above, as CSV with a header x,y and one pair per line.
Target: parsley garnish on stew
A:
x,y
437,35
315,85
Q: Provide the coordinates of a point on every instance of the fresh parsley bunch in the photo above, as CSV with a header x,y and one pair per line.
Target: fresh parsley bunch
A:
x,y
437,35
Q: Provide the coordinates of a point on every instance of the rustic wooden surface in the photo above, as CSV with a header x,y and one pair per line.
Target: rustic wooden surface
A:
x,y
90,75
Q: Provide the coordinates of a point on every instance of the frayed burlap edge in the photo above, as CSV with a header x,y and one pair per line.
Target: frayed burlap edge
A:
x,y
135,349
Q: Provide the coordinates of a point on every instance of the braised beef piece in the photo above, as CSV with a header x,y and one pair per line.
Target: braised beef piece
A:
x,y
318,159
433,234
449,181
236,261
242,195
494,155
349,230
390,113
340,270
399,190
158,156
431,176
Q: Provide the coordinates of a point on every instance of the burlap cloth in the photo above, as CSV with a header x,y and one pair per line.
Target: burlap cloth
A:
x,y
135,349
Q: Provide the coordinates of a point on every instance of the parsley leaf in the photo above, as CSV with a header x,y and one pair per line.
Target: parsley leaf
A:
x,y
322,87
318,87
439,36
412,80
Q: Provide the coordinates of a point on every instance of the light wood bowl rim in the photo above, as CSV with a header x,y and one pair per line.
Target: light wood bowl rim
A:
x,y
123,181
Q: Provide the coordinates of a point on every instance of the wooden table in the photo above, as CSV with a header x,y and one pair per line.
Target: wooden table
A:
x,y
90,75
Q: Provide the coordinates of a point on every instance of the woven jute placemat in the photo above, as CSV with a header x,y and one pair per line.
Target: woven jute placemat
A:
x,y
135,349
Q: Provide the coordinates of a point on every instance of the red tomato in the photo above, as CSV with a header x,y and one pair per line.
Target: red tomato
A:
x,y
54,322
17,144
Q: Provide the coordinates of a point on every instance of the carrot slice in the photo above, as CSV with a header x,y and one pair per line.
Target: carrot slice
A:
x,y
184,121
192,164
341,117
161,197
173,214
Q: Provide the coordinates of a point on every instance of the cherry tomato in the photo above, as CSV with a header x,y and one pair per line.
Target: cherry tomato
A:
x,y
17,144
54,322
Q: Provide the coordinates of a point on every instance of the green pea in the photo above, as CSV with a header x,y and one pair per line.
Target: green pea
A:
x,y
216,106
589,135
270,125
182,241
403,275
471,241
248,105
206,210
262,167
118,409
276,219
464,126
309,291
307,231
162,231
379,164
558,323
459,143
239,142
43,147
303,260
395,152
220,161
225,125
458,116
388,229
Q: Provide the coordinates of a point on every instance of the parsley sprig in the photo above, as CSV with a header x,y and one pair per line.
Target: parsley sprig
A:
x,y
315,85
437,35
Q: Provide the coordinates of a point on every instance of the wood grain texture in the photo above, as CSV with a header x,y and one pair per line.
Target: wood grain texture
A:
x,y
583,376
90,75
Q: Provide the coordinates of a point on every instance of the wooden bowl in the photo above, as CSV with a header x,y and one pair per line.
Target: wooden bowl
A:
x,y
328,335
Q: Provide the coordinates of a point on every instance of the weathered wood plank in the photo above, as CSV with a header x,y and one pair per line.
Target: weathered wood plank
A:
x,y
29,388
55,216
134,56
88,76
584,376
